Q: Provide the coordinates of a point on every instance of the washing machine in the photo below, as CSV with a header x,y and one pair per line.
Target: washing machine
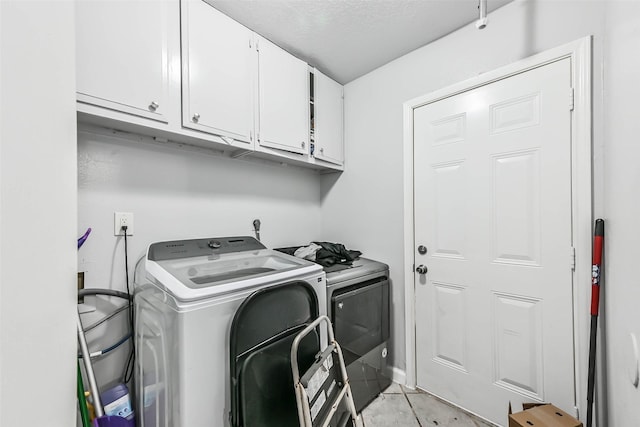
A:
x,y
186,295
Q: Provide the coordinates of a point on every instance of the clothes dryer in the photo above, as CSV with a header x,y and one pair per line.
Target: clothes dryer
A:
x,y
186,295
358,306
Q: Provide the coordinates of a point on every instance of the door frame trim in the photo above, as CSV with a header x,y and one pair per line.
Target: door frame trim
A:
x,y
580,54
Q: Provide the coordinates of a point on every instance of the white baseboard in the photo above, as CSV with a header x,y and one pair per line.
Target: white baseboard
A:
x,y
397,375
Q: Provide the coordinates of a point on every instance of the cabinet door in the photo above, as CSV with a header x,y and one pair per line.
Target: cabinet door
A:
x,y
328,116
218,79
284,99
121,50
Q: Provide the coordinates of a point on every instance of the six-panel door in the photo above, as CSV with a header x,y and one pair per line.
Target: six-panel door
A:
x,y
494,318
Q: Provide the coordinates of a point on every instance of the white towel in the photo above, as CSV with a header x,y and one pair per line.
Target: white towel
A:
x,y
307,252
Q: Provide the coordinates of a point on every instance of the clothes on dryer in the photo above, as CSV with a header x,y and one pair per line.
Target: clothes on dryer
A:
x,y
335,253
324,253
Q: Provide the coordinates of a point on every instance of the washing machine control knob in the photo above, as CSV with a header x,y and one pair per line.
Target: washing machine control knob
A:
x,y
214,244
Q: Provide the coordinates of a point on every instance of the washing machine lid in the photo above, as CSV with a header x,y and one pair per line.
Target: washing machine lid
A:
x,y
203,268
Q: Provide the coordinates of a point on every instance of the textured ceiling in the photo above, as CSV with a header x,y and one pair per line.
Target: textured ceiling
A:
x,y
348,38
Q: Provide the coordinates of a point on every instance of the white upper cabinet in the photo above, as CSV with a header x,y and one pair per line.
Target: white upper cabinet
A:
x,y
218,74
181,71
122,61
328,119
284,99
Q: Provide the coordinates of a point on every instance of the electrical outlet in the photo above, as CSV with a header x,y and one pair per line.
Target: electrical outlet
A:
x,y
121,219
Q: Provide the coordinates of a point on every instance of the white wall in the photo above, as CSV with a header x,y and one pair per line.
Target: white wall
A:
x,y
178,194
621,285
38,216
371,188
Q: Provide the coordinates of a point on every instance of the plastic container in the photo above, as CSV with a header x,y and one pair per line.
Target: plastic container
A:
x,y
117,403
113,421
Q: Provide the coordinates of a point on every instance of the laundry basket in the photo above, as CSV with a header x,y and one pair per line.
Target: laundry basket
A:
x,y
325,385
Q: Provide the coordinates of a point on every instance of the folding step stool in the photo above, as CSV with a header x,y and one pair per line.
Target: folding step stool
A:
x,y
324,385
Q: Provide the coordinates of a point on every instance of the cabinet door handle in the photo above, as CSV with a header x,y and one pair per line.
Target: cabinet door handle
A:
x,y
302,144
153,106
196,117
321,150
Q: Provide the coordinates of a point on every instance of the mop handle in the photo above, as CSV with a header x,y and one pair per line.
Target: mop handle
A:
x,y
598,241
86,358
82,401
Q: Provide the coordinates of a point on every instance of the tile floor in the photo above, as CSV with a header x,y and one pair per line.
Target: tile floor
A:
x,y
399,406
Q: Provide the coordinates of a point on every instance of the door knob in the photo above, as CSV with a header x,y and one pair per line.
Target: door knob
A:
x,y
422,269
422,249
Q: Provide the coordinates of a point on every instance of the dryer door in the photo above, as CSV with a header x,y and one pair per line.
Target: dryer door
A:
x,y
361,317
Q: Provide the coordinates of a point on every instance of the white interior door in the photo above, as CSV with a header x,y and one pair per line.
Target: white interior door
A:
x,y
494,319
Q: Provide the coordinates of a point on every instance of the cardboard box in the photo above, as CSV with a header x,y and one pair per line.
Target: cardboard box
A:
x,y
541,415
